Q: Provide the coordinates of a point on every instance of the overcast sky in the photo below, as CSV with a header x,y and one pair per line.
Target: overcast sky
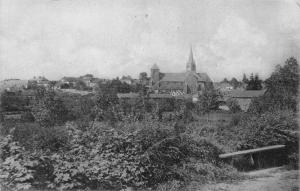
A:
x,y
110,38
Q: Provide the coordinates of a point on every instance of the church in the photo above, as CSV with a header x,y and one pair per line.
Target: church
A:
x,y
188,82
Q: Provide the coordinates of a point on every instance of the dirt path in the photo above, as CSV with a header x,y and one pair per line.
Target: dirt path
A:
x,y
275,179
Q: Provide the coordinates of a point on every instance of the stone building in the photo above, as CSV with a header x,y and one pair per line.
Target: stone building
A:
x,y
188,82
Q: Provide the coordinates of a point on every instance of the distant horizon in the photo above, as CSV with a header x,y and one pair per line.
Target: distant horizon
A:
x,y
148,73
110,39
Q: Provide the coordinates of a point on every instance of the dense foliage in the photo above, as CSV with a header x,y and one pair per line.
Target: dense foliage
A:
x,y
13,101
47,108
102,157
254,83
282,89
101,142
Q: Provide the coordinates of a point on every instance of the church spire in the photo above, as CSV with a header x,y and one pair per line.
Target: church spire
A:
x,y
190,65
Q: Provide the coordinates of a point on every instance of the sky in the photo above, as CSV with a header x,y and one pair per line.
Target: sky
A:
x,y
109,38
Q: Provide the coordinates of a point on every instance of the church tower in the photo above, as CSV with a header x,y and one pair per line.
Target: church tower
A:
x,y
154,74
191,65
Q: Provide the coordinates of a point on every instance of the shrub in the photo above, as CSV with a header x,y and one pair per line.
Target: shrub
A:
x,y
14,169
48,109
208,172
264,130
233,105
104,158
236,118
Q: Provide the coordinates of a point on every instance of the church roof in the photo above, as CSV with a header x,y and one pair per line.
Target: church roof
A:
x,y
180,77
173,77
171,86
203,77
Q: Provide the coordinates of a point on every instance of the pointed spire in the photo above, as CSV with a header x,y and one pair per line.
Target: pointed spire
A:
x,y
190,65
191,57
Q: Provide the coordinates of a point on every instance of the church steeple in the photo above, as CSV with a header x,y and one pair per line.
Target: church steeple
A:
x,y
191,65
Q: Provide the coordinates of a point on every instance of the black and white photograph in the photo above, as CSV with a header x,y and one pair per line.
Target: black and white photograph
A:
x,y
149,95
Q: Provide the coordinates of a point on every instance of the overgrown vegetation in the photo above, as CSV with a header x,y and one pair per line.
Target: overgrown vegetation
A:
x,y
103,143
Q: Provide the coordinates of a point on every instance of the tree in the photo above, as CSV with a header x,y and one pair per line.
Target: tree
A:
x,y
143,77
13,101
233,105
282,86
47,108
234,82
118,86
258,82
282,89
225,80
80,85
245,79
106,99
208,101
254,83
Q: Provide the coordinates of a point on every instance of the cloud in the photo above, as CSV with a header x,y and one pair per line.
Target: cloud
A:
x,y
235,47
114,38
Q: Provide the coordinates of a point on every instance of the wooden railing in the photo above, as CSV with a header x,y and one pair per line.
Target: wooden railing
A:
x,y
251,151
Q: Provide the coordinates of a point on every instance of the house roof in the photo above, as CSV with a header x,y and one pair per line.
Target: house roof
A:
x,y
13,83
185,96
247,93
40,78
135,95
73,91
70,79
219,85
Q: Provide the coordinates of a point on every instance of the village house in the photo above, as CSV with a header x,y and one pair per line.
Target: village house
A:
x,y
244,97
127,80
91,81
188,82
13,85
39,81
66,83
223,87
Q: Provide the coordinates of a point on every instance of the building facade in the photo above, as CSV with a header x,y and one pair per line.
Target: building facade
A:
x,y
188,82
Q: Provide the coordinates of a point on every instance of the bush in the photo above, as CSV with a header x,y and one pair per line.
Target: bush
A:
x,y
208,172
106,158
236,118
265,130
233,105
48,109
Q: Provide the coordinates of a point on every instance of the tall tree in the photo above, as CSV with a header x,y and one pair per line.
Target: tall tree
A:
x,y
282,89
254,83
105,99
258,82
225,80
47,108
245,79
143,77
234,82
282,86
208,101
